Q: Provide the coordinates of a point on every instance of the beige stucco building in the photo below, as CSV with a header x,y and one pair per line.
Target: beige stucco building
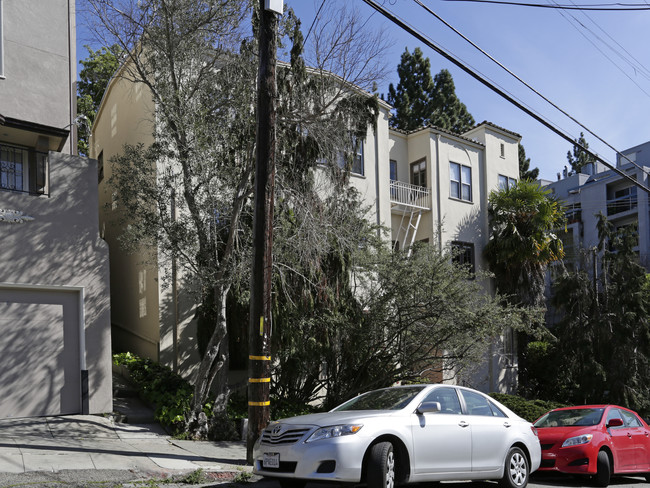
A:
x,y
425,185
55,349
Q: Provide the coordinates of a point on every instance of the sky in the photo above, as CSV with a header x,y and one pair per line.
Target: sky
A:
x,y
573,58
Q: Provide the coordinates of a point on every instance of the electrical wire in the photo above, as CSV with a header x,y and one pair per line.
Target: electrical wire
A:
x,y
426,40
527,85
622,8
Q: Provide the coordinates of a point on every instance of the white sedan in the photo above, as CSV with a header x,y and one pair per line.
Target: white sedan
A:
x,y
403,434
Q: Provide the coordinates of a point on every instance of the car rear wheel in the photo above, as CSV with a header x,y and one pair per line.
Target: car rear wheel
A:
x,y
381,466
516,472
603,469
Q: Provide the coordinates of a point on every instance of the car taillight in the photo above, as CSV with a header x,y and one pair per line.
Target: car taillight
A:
x,y
532,427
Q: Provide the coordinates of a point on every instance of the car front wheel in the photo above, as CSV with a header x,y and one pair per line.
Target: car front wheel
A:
x,y
381,466
516,470
603,469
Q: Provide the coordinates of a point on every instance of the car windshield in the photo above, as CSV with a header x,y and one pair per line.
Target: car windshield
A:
x,y
386,399
571,418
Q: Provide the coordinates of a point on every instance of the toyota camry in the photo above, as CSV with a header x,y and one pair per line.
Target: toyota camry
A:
x,y
403,434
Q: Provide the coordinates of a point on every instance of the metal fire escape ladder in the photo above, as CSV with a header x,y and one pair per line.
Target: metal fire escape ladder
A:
x,y
410,227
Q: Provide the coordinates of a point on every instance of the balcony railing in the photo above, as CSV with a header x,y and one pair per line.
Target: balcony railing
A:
x,y
410,195
621,204
23,170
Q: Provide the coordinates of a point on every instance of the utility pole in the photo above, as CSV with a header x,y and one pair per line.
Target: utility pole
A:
x,y
259,330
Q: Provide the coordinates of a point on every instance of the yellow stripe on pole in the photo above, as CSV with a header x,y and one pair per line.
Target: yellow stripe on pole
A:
x,y
259,404
262,325
260,358
259,380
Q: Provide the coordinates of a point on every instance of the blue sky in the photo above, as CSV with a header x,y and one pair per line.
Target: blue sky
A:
x,y
551,51
546,50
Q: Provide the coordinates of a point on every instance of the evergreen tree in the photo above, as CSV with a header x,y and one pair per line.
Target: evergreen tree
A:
x,y
524,164
98,68
421,100
579,159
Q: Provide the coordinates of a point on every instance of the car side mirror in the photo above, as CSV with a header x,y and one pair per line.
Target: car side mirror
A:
x,y
615,423
428,407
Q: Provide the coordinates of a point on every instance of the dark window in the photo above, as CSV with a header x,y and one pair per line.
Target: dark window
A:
x,y
419,173
100,167
460,181
463,254
354,158
23,169
393,170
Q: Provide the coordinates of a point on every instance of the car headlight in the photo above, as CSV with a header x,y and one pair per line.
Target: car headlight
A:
x,y
334,431
577,440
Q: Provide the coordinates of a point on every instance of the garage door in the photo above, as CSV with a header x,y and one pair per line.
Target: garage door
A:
x,y
39,353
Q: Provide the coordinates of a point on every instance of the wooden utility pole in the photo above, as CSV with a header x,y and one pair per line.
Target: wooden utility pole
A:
x,y
259,331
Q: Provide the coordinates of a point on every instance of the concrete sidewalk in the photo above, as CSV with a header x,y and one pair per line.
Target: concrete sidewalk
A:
x,y
88,442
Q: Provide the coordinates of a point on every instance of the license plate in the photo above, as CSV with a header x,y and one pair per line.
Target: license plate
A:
x,y
271,460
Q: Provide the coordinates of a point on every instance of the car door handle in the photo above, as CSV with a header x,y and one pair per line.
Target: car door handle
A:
x,y
507,425
463,424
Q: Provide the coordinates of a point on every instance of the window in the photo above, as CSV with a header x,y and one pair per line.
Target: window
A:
x,y
463,254
630,419
393,170
623,200
23,169
447,398
479,405
357,165
503,150
419,173
100,167
461,181
505,182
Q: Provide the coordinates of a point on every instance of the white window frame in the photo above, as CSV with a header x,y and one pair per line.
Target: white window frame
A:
x,y
461,183
418,173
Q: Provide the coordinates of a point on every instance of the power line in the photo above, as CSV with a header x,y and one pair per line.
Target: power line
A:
x,y
421,37
620,6
527,85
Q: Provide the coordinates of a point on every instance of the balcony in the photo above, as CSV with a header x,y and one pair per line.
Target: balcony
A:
x,y
407,195
622,203
23,170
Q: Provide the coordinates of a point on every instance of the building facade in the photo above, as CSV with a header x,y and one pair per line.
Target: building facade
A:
x,y
55,350
426,185
586,196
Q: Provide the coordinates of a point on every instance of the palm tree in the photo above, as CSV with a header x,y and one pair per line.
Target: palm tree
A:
x,y
522,241
521,246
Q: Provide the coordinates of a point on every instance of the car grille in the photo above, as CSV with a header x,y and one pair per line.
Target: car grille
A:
x,y
546,447
288,436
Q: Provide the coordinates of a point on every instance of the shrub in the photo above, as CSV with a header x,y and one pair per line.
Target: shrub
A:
x,y
530,410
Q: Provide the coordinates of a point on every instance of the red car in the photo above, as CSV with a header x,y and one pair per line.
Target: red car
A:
x,y
595,440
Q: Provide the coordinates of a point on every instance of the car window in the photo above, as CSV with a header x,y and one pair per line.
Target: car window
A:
x,y
386,399
571,417
630,419
496,411
477,404
448,399
614,413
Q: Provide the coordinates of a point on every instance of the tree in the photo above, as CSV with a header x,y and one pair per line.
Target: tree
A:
x,y
98,68
201,70
522,244
524,164
420,100
604,319
579,159
522,241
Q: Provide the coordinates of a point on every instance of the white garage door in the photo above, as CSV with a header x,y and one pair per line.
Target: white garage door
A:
x,y
39,353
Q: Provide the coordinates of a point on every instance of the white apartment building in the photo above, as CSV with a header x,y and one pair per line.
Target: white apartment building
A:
x,y
425,185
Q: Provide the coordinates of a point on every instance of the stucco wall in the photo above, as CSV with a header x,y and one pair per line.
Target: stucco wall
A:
x,y
39,74
61,247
